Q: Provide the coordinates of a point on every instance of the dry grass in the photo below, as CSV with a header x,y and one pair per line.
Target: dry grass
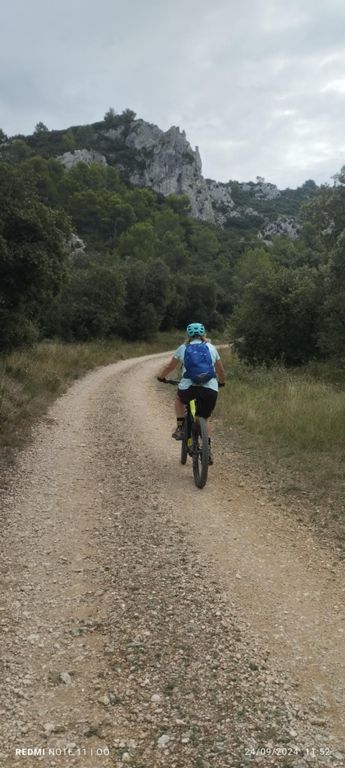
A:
x,y
286,408
294,422
30,380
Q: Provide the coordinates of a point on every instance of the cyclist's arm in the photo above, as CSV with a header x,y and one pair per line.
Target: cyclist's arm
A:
x,y
171,365
220,371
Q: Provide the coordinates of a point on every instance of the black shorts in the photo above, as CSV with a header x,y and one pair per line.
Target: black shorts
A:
x,y
205,397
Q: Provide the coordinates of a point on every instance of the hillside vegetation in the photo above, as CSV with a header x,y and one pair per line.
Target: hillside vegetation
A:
x,y
85,255
144,264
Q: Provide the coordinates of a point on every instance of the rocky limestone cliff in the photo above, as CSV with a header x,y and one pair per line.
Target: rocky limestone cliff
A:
x,y
172,166
221,201
165,162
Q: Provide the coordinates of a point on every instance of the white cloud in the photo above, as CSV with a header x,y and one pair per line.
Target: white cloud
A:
x,y
338,86
257,84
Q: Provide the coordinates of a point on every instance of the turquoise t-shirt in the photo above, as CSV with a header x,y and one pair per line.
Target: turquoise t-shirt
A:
x,y
186,383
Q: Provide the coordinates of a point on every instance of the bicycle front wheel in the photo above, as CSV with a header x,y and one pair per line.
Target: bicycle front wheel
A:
x,y
200,452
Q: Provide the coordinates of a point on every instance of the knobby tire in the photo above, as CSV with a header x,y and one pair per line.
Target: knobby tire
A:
x,y
200,452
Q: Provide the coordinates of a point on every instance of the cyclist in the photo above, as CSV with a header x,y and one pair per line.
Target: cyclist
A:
x,y
205,394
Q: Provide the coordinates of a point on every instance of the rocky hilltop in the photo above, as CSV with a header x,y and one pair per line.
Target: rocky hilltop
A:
x,y
165,161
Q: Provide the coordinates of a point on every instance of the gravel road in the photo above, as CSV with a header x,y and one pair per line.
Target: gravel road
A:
x,y
147,623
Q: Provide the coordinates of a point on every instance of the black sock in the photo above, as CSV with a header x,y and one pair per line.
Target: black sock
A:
x,y
180,420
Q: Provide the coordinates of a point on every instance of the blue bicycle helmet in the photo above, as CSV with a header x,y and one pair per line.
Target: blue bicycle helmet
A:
x,y
195,329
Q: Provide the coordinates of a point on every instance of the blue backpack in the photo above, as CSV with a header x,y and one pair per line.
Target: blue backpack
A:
x,y
198,363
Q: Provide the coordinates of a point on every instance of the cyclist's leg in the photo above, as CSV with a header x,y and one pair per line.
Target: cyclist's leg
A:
x,y
180,410
180,407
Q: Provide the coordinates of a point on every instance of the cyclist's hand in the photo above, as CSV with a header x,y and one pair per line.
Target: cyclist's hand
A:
x,y
159,378
221,383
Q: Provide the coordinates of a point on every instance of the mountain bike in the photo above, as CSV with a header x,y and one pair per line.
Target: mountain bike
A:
x,y
195,441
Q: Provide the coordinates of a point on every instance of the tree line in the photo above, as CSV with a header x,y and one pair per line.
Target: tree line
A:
x,y
289,300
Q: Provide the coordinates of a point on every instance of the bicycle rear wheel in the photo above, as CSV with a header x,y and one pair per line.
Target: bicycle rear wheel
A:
x,y
200,452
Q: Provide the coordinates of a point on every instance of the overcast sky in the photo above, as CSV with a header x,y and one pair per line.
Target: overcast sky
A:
x,y
258,85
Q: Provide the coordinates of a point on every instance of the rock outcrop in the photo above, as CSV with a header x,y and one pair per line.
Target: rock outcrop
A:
x,y
261,189
75,246
88,156
221,200
172,167
283,225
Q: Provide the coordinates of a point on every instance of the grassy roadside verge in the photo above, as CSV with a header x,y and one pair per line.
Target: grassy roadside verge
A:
x,y
31,379
291,424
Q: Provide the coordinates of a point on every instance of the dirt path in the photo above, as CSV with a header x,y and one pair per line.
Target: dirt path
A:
x,y
147,623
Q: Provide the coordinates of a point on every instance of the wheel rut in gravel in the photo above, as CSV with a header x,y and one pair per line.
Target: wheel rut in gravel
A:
x,y
148,623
